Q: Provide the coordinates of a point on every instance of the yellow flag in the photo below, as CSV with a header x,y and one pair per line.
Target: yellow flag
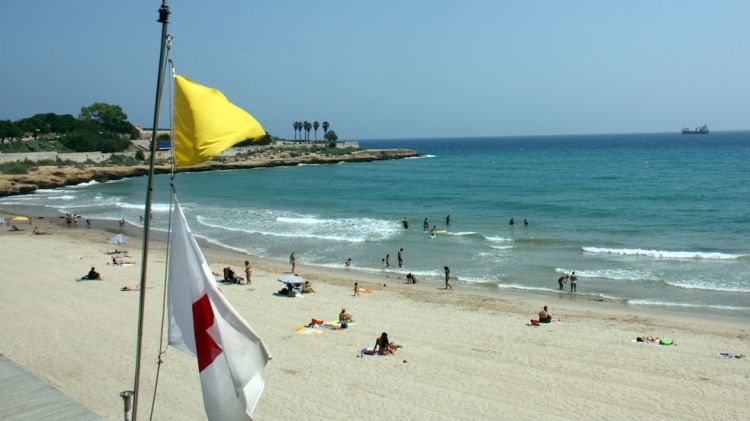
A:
x,y
206,123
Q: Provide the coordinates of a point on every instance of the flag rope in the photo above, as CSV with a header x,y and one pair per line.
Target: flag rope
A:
x,y
163,349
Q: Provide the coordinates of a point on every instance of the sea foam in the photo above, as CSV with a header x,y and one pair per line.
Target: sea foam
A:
x,y
662,254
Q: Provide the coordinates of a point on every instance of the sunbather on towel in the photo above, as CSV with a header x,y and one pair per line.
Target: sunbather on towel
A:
x,y
648,339
385,347
344,316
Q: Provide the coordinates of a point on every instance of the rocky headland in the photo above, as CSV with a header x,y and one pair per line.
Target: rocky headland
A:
x,y
47,177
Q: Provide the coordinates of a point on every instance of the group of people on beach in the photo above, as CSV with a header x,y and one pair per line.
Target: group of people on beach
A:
x,y
565,278
231,276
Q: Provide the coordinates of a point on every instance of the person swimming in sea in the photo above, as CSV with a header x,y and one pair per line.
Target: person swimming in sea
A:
x,y
512,222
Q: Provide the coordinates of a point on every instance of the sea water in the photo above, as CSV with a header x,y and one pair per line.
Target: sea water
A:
x,y
647,219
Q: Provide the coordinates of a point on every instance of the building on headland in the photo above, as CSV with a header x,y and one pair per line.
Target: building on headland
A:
x,y
145,133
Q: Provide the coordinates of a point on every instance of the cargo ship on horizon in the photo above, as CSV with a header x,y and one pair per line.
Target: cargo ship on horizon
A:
x,y
698,130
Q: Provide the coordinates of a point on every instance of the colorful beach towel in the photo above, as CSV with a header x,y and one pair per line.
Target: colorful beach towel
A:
x,y
338,325
313,331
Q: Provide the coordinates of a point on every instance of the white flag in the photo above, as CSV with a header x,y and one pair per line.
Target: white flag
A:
x,y
203,323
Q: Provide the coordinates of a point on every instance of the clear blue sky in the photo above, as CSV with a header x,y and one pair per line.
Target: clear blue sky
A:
x,y
391,69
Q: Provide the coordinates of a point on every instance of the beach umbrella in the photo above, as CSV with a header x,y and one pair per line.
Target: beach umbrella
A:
x,y
119,239
20,218
291,278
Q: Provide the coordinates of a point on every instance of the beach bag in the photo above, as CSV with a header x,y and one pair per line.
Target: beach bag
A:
x,y
665,341
535,322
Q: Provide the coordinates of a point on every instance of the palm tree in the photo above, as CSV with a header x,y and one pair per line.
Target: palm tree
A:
x,y
325,128
294,126
307,127
315,127
298,126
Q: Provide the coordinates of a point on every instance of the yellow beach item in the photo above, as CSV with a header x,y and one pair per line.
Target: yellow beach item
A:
x,y
207,123
20,218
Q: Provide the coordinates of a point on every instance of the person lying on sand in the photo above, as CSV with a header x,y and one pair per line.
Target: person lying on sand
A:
x,y
545,316
37,232
116,261
385,347
648,339
344,316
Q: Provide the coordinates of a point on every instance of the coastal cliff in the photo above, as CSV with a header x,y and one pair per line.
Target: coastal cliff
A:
x,y
48,177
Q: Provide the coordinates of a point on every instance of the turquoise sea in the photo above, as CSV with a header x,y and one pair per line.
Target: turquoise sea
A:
x,y
658,220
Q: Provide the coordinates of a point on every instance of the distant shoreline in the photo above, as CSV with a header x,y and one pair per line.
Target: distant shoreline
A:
x,y
49,177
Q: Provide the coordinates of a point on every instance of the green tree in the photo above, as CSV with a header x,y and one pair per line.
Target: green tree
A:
x,y
331,136
307,127
325,128
34,125
294,126
315,127
110,117
9,130
82,140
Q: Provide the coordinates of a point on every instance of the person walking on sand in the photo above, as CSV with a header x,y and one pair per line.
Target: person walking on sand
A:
x,y
356,289
447,277
401,257
292,261
573,279
426,225
248,271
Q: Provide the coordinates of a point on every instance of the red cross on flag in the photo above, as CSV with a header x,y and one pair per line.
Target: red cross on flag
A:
x,y
203,323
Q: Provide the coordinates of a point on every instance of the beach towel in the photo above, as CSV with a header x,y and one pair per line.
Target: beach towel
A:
x,y
313,331
368,350
338,325
365,290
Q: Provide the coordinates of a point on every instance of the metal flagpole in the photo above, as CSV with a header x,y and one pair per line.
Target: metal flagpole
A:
x,y
164,19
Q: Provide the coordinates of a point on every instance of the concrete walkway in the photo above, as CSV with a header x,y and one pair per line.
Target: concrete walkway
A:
x,y
24,396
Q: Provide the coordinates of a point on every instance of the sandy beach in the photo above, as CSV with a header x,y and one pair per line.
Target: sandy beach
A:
x,y
467,354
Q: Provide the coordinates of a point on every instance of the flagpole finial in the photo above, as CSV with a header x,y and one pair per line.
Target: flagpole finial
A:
x,y
164,12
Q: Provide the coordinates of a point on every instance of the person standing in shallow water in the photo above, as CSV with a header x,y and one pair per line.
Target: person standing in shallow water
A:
x,y
512,222
447,221
387,260
573,279
401,257
447,277
525,222
405,223
426,225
